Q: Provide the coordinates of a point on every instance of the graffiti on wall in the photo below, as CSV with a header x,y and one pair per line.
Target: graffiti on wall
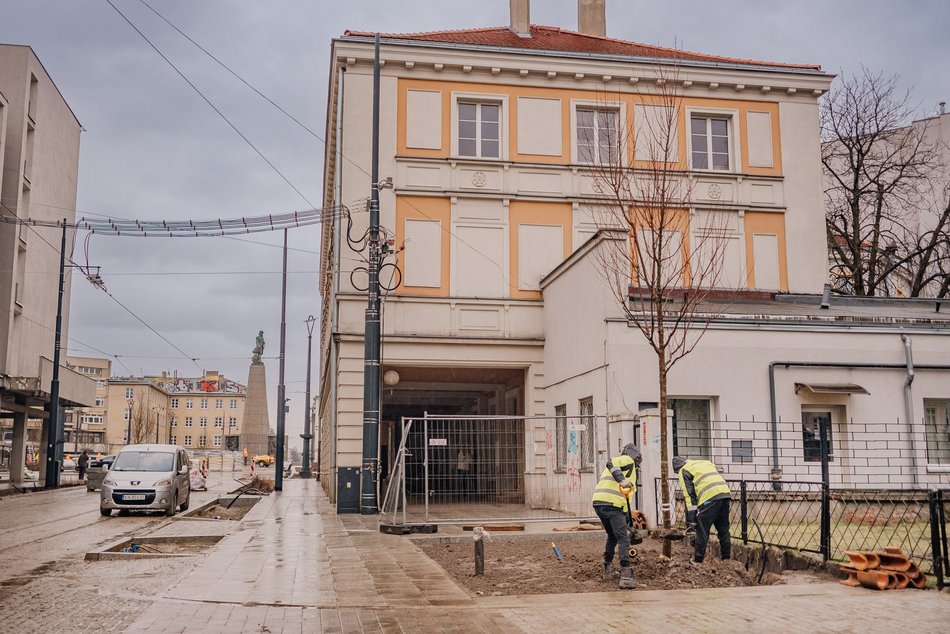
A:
x,y
573,458
207,384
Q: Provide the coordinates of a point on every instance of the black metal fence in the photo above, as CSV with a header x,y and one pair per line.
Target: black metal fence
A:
x,y
812,517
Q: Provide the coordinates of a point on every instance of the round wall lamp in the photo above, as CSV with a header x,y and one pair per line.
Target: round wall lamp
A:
x,y
390,378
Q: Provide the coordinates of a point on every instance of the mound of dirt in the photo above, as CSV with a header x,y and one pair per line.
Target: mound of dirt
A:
x,y
529,566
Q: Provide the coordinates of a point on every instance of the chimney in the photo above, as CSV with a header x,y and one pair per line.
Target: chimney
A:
x,y
591,17
520,17
943,107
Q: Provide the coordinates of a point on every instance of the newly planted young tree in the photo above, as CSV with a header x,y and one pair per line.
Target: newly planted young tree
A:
x,y
886,211
672,255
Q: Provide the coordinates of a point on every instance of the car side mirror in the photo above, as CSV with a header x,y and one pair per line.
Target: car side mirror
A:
x,y
184,469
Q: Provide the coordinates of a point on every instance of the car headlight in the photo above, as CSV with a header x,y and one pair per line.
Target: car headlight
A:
x,y
108,481
164,483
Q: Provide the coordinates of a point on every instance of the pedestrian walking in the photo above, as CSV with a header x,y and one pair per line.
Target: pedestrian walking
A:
x,y
707,498
83,464
611,501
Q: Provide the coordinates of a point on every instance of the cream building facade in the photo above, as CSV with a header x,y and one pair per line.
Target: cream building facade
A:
x,y
39,161
486,134
85,427
205,412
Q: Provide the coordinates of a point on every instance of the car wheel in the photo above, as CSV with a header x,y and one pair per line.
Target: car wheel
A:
x,y
261,463
105,512
187,502
170,511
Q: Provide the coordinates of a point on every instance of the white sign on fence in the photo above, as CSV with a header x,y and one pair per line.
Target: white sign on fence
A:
x,y
438,442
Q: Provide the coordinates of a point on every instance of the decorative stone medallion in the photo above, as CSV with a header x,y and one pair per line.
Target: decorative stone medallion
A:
x,y
479,179
714,192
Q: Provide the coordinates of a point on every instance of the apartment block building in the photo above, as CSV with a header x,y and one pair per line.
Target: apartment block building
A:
x,y
204,412
491,138
85,427
39,162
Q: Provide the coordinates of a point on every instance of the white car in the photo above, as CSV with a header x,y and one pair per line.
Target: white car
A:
x,y
147,478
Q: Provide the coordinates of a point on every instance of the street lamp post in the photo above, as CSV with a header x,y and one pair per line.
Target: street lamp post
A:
x,y
128,430
306,435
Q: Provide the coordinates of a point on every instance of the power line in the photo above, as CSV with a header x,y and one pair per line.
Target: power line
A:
x,y
447,230
102,288
210,103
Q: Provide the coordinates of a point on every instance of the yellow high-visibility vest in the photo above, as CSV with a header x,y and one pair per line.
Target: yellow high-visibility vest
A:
x,y
608,489
707,481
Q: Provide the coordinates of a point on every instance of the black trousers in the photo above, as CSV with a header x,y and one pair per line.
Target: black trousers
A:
x,y
615,524
715,513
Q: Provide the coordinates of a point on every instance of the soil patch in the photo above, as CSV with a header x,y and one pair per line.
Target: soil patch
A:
x,y
222,512
529,566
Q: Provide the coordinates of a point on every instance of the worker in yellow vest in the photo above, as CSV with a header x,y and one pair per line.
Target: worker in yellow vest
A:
x,y
707,497
611,500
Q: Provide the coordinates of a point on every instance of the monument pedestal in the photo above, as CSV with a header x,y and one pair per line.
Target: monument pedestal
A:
x,y
255,428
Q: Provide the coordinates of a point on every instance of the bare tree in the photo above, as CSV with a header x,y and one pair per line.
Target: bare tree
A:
x,y
885,234
143,424
672,259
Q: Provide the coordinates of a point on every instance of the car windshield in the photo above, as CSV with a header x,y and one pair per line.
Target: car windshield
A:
x,y
144,461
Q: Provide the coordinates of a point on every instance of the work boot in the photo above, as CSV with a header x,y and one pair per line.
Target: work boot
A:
x,y
626,579
609,575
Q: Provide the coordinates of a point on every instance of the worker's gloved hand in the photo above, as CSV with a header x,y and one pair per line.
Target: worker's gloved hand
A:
x,y
691,520
626,484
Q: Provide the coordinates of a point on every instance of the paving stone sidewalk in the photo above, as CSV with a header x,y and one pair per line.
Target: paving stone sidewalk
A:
x,y
296,566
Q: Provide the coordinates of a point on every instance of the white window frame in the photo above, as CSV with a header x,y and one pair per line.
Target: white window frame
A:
x,y
188,441
219,403
202,441
234,403
204,403
480,98
232,422
203,421
586,104
219,421
100,402
189,403
173,439
189,421
733,124
935,407
174,403
129,393
217,441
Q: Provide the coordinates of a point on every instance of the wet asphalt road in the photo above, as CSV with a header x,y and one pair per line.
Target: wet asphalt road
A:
x,y
39,529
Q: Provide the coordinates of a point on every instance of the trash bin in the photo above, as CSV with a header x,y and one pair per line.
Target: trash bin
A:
x,y
348,490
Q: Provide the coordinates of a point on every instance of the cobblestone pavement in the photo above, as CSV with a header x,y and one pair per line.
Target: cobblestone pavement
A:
x,y
293,565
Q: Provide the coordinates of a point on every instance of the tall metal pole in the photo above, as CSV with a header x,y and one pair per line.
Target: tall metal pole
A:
x,y
368,501
317,433
306,435
128,429
52,423
281,403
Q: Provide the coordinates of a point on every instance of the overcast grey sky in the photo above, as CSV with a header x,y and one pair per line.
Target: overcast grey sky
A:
x,y
153,149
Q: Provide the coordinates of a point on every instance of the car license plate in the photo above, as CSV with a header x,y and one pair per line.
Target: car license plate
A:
x,y
133,497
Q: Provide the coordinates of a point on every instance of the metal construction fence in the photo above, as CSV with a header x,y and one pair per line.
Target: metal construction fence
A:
x,y
454,469
858,454
219,460
810,517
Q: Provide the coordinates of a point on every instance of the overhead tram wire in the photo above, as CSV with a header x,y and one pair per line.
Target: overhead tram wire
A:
x,y
32,226
189,228
444,228
210,103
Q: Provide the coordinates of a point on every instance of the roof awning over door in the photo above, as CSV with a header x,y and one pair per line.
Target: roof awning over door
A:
x,y
831,388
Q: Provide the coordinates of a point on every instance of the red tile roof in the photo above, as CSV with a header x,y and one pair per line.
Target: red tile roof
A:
x,y
547,38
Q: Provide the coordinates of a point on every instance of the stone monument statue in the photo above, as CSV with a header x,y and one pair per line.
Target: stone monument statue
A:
x,y
259,348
